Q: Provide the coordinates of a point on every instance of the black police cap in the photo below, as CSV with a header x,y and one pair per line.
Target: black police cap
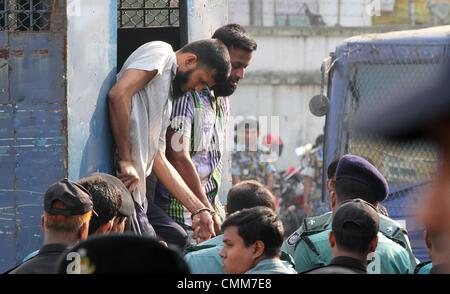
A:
x,y
356,218
76,199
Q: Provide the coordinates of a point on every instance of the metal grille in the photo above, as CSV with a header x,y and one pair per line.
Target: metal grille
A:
x,y
25,15
148,13
376,74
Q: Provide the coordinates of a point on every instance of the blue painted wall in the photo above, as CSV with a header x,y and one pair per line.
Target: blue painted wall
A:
x,y
33,134
91,72
53,114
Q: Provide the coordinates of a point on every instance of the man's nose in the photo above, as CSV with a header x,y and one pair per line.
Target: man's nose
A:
x,y
240,73
221,253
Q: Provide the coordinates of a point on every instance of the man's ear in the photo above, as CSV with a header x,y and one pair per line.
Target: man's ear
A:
x,y
330,185
258,249
333,200
226,210
190,61
373,244
105,228
426,237
84,231
42,223
332,239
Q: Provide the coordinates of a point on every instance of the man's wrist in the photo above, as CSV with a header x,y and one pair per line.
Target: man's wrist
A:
x,y
203,209
125,160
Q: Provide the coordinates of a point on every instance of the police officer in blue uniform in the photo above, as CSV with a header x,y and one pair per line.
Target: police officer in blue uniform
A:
x,y
204,258
355,178
353,236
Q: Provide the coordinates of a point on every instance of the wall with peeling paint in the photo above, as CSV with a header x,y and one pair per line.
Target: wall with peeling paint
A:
x,y
91,72
204,17
53,113
33,130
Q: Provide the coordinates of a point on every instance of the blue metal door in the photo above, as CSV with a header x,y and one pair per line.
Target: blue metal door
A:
x,y
33,119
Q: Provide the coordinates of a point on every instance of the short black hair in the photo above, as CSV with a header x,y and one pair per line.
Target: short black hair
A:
x,y
212,54
331,170
106,199
235,36
347,189
258,224
248,194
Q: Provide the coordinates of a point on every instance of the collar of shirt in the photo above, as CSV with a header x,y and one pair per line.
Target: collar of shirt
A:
x,y
270,265
348,262
52,248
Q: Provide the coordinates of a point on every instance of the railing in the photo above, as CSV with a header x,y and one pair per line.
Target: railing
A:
x,y
148,13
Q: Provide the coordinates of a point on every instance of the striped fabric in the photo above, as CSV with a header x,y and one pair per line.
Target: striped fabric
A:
x,y
183,114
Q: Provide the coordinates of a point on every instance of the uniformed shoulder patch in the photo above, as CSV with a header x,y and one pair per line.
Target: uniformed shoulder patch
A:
x,y
317,223
293,239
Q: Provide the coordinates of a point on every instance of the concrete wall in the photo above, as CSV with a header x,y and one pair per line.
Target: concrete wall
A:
x,y
239,12
284,75
204,17
349,13
91,72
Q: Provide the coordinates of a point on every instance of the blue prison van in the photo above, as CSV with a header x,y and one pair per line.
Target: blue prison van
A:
x,y
364,72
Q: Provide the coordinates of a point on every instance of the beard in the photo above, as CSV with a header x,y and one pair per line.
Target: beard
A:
x,y
180,80
225,89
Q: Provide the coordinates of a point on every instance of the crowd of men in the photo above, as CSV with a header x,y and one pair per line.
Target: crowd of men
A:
x,y
160,212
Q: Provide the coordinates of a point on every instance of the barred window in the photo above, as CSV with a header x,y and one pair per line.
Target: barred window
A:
x,y
148,13
25,15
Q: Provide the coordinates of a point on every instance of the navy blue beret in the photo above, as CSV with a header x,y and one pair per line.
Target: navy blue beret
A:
x,y
358,169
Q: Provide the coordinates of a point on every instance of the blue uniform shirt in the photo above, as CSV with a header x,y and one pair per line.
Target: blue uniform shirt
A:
x,y
208,260
391,258
424,268
272,266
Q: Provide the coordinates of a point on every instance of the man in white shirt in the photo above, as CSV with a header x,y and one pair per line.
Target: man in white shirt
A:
x,y
140,107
